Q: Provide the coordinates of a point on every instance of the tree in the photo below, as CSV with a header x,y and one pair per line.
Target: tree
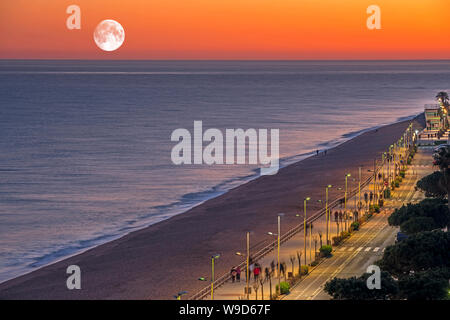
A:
x,y
436,209
417,224
356,288
419,252
441,158
425,285
432,185
443,97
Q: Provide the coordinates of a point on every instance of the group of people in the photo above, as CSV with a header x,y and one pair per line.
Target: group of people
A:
x,y
255,269
235,274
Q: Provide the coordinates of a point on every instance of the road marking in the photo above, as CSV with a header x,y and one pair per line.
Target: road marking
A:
x,y
383,249
376,249
351,249
367,249
359,249
343,249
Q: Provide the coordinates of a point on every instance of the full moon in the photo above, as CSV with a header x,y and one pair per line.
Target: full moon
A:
x,y
109,35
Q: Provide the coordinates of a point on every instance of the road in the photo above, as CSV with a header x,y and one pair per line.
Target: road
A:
x,y
367,245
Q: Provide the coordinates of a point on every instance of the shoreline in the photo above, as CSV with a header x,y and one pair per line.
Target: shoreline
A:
x,y
180,207
41,278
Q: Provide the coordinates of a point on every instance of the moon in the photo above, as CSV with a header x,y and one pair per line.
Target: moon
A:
x,y
109,35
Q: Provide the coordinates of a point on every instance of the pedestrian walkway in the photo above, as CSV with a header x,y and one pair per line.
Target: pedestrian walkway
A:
x,y
289,250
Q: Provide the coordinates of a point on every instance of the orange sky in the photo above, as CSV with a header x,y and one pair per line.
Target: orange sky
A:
x,y
229,29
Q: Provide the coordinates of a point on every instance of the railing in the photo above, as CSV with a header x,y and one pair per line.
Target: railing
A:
x,y
205,292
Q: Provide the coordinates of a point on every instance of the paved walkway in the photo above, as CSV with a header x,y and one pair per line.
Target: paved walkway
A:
x,y
351,258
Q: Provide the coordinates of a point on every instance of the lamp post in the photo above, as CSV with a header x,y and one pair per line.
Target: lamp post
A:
x,y
304,223
213,257
345,200
327,215
247,278
359,190
310,244
278,246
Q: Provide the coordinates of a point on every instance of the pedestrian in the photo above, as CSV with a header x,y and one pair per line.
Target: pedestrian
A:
x,y
282,268
233,274
272,266
256,272
317,152
325,152
251,268
238,274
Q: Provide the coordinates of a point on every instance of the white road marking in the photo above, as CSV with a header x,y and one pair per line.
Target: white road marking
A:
x,y
351,249
359,249
368,248
376,249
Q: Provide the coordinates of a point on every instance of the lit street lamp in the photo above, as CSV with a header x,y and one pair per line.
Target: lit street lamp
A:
x,y
304,223
213,257
345,200
327,214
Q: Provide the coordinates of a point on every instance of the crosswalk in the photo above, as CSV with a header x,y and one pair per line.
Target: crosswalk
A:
x,y
365,249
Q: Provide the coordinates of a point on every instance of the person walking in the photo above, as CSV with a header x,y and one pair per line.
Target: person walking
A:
x,y
238,274
250,269
233,274
282,269
256,272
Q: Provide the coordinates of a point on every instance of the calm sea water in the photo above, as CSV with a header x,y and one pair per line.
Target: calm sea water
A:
x,y
85,145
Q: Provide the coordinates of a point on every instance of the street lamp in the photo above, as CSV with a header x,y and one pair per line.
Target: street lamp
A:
x,y
304,223
213,257
326,210
345,199
278,245
247,265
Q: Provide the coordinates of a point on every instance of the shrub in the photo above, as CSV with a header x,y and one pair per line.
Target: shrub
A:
x,y
345,235
325,250
336,240
304,270
314,263
284,287
397,184
355,226
387,193
402,173
374,208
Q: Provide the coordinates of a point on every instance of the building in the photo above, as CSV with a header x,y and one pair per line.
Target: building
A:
x,y
436,123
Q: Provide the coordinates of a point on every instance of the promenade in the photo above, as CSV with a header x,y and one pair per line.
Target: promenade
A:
x,y
351,257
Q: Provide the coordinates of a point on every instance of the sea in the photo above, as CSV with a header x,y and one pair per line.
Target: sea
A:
x,y
85,146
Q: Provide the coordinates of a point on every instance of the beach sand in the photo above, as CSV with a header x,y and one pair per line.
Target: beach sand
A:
x,y
168,257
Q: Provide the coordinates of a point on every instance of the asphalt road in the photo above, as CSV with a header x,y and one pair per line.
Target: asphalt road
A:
x,y
367,245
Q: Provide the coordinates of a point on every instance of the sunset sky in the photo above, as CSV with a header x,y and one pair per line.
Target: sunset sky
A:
x,y
229,29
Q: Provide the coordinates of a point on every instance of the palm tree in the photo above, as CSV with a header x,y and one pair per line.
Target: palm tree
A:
x,y
443,97
441,158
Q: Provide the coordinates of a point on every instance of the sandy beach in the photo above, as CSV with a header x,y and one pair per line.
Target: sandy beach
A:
x,y
165,258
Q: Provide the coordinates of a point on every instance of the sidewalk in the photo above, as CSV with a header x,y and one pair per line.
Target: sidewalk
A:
x,y
290,248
